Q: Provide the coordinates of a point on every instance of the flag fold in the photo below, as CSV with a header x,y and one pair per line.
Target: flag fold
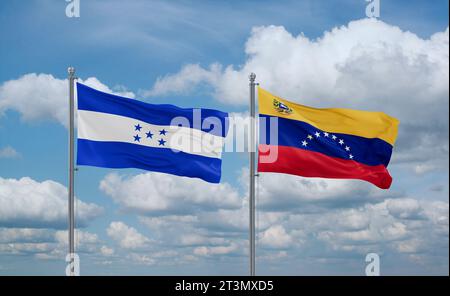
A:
x,y
117,132
328,143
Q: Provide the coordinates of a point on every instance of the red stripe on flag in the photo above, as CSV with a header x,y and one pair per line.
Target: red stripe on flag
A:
x,y
306,163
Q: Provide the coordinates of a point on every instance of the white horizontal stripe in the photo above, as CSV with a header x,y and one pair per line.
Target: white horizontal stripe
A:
x,y
105,127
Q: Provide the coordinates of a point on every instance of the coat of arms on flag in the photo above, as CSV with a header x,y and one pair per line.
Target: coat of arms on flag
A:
x,y
282,108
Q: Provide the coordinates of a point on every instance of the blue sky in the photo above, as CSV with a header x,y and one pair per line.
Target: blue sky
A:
x,y
398,65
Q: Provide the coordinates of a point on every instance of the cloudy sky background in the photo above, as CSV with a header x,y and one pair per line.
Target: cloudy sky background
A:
x,y
319,53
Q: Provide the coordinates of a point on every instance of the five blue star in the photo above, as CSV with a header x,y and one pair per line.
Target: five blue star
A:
x,y
161,142
163,132
137,127
149,134
137,138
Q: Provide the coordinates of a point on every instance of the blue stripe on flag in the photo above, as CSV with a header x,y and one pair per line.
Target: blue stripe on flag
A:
x,y
293,132
164,160
93,100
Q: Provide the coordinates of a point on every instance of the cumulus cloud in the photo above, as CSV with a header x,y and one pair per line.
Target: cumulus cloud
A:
x,y
394,224
26,248
141,258
62,237
275,237
106,251
154,193
212,251
165,257
8,152
127,237
25,235
29,203
85,242
406,208
304,217
402,228
186,80
292,193
42,96
45,243
367,65
235,221
322,71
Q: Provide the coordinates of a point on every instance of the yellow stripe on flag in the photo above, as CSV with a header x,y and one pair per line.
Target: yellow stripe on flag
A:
x,y
334,120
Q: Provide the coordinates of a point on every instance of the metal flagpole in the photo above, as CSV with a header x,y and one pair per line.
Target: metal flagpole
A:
x,y
71,72
252,147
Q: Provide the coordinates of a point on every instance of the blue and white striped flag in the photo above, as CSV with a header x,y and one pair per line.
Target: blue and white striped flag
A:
x,y
117,132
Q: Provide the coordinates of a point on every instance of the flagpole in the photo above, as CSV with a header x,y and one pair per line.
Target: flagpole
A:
x,y
71,72
252,147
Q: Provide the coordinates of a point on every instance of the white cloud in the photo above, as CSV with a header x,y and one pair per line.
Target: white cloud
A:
x,y
8,152
318,71
160,193
401,228
164,257
216,251
165,222
62,237
85,242
25,235
42,96
367,65
26,248
352,219
28,203
322,218
235,221
224,220
292,193
275,237
45,243
405,208
409,246
126,236
36,96
395,223
142,259
192,239
186,80
106,251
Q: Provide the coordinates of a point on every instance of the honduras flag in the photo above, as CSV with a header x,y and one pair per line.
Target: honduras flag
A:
x,y
117,132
